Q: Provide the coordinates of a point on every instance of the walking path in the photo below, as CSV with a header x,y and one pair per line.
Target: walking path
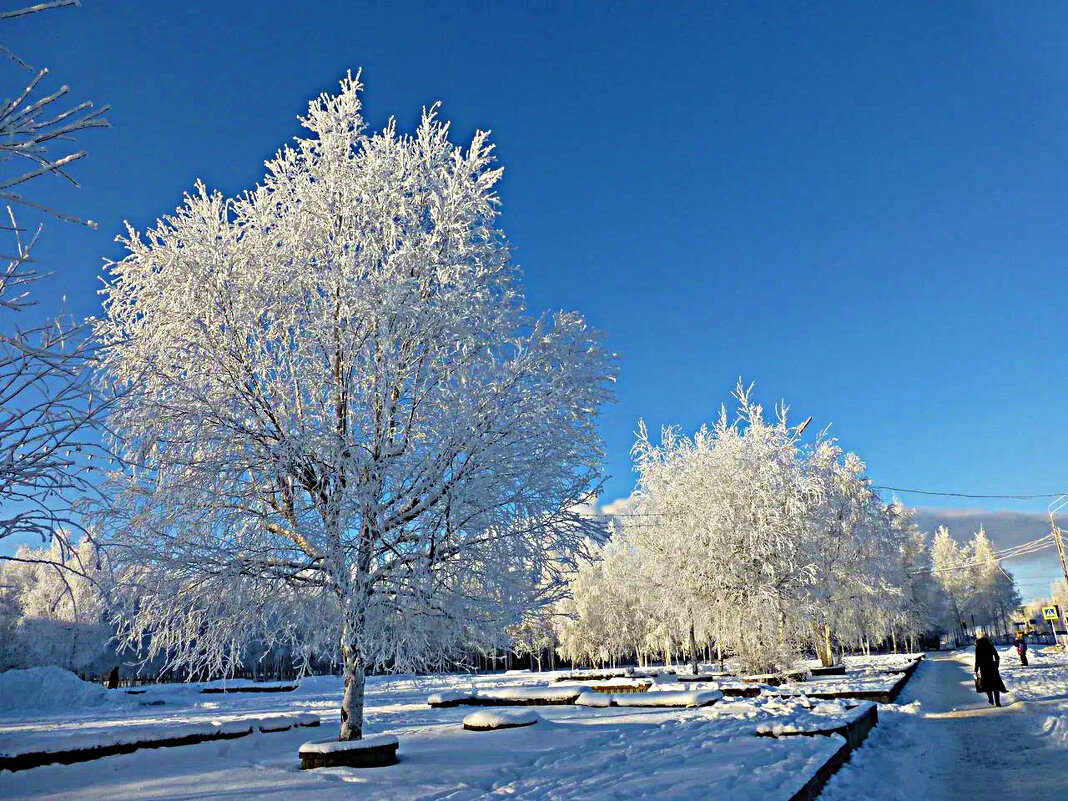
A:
x,y
943,742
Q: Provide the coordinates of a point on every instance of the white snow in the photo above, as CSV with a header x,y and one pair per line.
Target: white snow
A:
x,y
593,699
804,717
942,741
877,673
48,688
501,718
336,746
663,698
155,732
559,692
577,752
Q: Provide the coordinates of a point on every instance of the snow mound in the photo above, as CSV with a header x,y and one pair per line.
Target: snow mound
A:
x,y
449,697
337,746
509,696
486,720
663,698
45,688
532,694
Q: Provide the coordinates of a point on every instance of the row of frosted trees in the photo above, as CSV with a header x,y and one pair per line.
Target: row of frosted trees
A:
x,y
747,540
975,589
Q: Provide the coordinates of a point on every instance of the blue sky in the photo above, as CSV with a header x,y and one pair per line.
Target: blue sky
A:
x,y
861,209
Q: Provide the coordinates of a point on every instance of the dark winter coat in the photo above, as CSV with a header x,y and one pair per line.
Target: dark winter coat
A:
x,y
986,667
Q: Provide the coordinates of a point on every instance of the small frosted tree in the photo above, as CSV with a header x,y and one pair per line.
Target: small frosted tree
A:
x,y
724,520
922,603
854,550
995,594
949,563
329,390
57,607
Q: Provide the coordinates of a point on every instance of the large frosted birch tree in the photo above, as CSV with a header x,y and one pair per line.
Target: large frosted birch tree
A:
x,y
331,399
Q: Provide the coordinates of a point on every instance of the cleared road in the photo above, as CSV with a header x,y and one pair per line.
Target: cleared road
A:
x,y
953,745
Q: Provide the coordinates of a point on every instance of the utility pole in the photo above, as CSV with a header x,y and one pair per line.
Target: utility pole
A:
x,y
1055,530
1058,540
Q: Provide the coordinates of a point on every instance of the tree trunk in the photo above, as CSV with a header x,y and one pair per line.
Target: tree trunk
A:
x,y
825,650
352,700
693,648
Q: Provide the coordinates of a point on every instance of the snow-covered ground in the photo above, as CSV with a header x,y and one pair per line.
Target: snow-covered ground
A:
x,y
942,741
573,752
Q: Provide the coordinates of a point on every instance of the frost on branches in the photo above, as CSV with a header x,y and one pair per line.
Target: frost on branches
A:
x,y
51,608
746,538
339,414
46,406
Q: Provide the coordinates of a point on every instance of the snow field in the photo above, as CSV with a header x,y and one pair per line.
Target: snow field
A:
x,y
575,752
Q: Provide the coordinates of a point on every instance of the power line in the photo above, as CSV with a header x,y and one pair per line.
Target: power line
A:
x,y
1025,497
968,494
1016,551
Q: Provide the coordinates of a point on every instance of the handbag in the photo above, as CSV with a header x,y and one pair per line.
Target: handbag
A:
x,y
978,684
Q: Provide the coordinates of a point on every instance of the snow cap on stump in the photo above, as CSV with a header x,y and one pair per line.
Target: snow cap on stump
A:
x,y
367,752
486,720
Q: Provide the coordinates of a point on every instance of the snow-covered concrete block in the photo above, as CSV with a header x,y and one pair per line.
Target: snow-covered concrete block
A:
x,y
486,720
369,752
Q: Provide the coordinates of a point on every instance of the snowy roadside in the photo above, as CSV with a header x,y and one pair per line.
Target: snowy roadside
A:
x,y
942,740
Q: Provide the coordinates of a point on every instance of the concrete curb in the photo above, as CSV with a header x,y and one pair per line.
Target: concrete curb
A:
x,y
36,759
854,734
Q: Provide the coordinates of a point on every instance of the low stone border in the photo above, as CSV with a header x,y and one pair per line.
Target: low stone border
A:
x,y
703,676
370,752
776,679
668,699
539,696
887,696
830,670
854,733
899,685
752,691
621,688
479,701
616,673
226,731
495,721
251,688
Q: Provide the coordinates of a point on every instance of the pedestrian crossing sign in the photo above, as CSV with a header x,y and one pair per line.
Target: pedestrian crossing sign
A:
x,y
1050,613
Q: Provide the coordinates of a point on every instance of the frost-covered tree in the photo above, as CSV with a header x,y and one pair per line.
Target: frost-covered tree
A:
x,y
329,392
750,540
994,589
979,590
606,616
724,517
854,550
534,635
46,406
950,565
55,608
922,606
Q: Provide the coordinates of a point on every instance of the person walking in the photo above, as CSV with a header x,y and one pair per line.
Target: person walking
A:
x,y
987,676
1021,649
